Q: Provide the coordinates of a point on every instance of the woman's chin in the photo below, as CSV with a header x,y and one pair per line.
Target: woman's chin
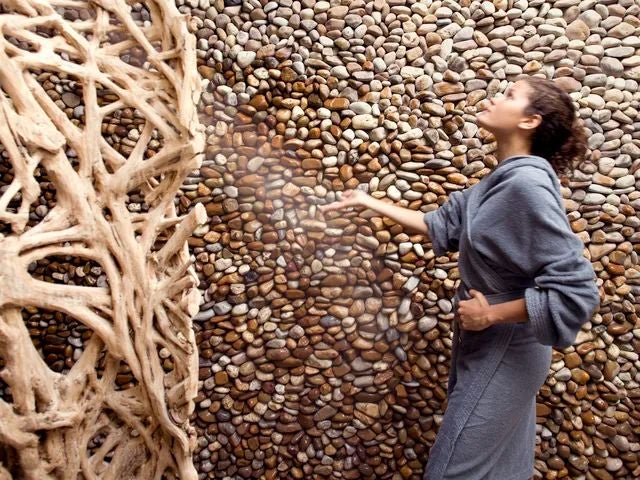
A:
x,y
481,120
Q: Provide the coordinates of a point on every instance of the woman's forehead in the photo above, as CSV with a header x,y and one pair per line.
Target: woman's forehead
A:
x,y
516,87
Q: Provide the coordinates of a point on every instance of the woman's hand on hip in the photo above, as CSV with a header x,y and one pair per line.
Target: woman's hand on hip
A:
x,y
350,198
475,313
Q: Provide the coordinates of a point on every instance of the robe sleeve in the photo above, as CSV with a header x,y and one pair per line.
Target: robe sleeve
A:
x,y
531,234
445,223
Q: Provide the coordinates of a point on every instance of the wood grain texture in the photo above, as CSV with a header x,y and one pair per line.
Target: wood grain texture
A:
x,y
81,424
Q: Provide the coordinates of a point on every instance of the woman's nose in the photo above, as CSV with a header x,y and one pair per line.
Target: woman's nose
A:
x,y
498,97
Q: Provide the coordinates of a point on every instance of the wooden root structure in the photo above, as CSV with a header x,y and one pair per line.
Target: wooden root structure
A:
x,y
80,424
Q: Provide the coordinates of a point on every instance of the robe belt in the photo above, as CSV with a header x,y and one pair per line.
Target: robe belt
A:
x,y
463,294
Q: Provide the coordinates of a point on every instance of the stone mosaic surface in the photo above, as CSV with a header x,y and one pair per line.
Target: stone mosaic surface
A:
x,y
325,341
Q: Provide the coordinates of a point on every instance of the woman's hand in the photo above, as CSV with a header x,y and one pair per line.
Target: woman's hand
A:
x,y
413,219
350,198
475,313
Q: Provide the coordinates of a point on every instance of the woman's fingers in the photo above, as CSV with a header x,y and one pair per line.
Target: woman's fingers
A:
x,y
349,198
479,297
330,206
335,206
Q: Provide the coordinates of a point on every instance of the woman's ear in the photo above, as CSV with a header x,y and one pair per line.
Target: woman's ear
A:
x,y
530,122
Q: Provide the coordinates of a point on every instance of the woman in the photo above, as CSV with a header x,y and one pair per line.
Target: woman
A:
x,y
525,285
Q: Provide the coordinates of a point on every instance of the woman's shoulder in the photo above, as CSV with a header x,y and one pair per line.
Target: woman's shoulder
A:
x,y
523,187
530,177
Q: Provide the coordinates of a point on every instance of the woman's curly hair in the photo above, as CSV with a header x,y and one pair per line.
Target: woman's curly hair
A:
x,y
560,137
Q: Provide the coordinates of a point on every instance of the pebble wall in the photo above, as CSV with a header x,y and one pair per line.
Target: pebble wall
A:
x,y
325,340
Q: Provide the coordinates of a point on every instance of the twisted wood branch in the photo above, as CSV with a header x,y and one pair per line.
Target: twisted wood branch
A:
x,y
81,423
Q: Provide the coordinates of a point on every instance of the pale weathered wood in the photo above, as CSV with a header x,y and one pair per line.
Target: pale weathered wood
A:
x,y
151,293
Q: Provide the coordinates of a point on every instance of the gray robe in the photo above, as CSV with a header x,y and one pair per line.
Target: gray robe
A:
x,y
515,241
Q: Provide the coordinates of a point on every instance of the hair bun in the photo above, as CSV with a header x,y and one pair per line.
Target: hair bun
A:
x,y
560,137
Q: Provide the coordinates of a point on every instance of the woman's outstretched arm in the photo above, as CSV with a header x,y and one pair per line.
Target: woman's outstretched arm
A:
x,y
404,216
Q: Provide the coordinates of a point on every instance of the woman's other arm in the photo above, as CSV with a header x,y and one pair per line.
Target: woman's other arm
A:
x,y
477,314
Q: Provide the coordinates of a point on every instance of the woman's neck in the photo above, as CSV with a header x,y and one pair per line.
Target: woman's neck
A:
x,y
512,146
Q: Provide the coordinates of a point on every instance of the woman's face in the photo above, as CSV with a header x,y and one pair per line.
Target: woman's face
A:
x,y
505,114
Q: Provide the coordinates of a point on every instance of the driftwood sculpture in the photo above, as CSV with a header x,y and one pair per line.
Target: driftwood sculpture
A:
x,y
79,424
